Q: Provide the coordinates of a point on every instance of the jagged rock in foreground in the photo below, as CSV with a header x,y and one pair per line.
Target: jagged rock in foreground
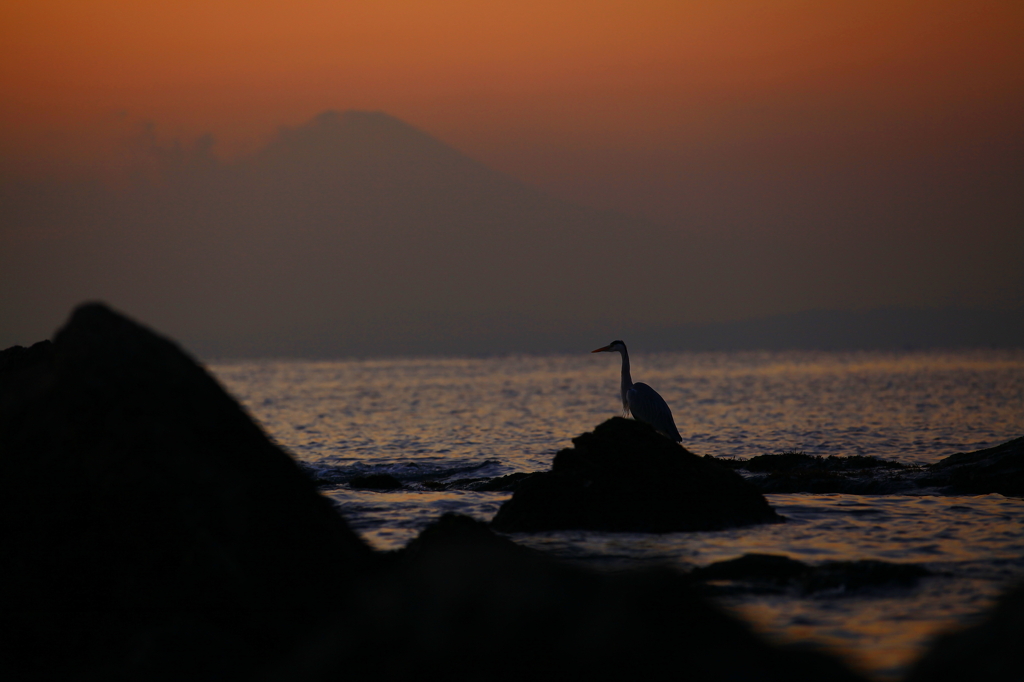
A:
x,y
624,476
151,531
149,528
464,604
990,650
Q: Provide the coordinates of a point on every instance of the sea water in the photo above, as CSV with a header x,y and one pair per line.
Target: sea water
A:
x,y
443,419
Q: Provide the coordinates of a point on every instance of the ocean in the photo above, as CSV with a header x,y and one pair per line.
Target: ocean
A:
x,y
428,420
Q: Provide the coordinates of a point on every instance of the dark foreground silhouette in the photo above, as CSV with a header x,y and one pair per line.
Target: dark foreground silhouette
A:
x,y
990,650
150,530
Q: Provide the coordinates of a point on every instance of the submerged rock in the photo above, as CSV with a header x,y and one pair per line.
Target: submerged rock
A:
x,y
993,470
796,472
624,476
149,528
775,573
753,568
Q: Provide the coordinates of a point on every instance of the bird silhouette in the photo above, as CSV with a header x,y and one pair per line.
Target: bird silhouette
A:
x,y
640,400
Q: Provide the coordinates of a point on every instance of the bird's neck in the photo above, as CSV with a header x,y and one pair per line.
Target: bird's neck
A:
x,y
627,382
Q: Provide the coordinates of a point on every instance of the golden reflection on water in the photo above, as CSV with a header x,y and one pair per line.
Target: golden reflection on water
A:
x,y
867,636
445,419
914,407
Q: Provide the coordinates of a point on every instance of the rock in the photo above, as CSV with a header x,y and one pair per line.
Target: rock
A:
x,y
149,528
774,573
796,472
760,568
867,574
24,373
464,604
990,650
376,482
792,461
624,476
458,532
994,470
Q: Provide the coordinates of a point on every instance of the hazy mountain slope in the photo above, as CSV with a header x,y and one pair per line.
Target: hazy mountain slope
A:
x,y
351,234
357,234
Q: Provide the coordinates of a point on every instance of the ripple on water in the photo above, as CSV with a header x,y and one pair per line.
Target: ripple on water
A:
x,y
973,545
388,520
919,406
420,418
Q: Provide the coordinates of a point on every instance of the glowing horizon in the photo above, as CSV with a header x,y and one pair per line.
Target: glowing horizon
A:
x,y
606,77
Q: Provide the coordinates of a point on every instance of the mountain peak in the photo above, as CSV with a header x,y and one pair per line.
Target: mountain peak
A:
x,y
363,135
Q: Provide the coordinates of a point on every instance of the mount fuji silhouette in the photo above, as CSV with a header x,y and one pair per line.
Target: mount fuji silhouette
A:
x,y
356,234
359,234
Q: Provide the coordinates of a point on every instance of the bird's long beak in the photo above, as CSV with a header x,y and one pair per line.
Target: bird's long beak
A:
x,y
608,348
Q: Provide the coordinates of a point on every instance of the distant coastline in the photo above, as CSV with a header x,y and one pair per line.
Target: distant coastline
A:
x,y
878,329
452,334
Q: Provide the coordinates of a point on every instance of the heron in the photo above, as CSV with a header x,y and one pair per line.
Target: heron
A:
x,y
641,400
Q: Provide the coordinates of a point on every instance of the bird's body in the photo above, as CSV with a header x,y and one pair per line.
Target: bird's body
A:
x,y
642,401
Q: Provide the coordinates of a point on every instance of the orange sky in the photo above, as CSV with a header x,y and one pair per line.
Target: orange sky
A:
x,y
507,82
832,154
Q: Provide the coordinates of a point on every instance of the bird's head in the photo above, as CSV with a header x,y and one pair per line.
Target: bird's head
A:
x,y
612,347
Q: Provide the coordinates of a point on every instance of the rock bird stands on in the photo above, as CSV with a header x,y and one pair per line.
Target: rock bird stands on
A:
x,y
641,400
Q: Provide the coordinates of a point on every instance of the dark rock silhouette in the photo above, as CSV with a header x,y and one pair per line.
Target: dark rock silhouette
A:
x,y
149,528
462,603
775,573
762,567
797,472
624,476
990,650
994,470
795,461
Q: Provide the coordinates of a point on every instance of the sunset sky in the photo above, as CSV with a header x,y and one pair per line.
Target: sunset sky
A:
x,y
837,131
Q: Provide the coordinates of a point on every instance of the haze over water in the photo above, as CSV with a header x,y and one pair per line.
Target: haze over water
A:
x,y
445,419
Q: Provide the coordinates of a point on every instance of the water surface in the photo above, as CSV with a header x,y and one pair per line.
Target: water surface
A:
x,y
445,419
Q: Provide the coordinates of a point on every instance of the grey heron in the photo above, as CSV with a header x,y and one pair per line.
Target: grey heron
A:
x,y
641,400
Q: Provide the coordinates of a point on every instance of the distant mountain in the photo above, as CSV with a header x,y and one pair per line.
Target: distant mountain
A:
x,y
354,233
357,234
